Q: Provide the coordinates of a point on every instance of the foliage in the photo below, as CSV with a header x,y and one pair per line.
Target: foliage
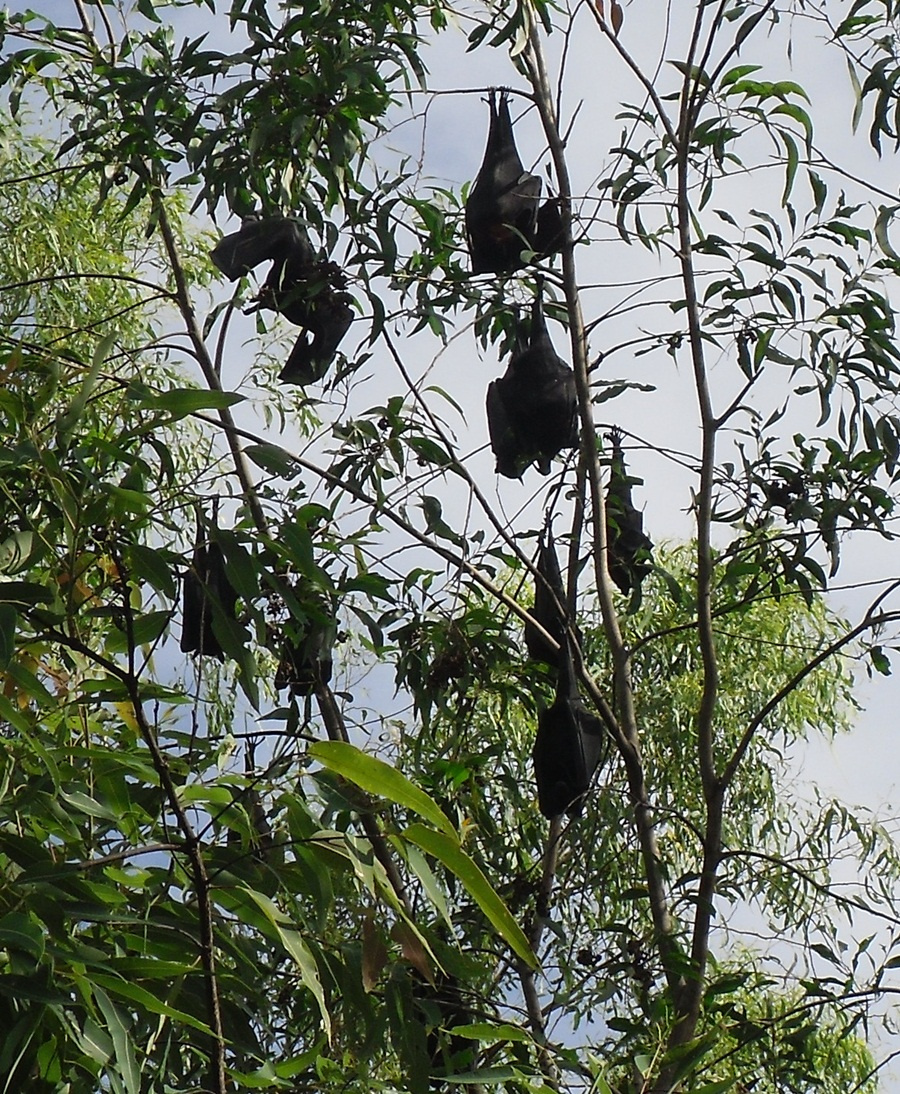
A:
x,y
198,890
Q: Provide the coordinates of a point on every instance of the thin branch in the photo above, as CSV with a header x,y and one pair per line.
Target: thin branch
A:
x,y
207,366
627,741
794,682
128,853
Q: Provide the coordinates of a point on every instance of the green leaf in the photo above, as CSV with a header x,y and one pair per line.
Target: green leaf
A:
x,y
274,459
26,593
377,777
121,1039
433,890
485,1031
448,851
151,566
20,932
134,993
489,1076
292,940
145,630
188,400
882,224
880,661
9,617
88,806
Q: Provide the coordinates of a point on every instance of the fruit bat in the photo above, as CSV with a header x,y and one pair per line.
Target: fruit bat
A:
x,y
206,590
549,597
298,286
327,322
627,546
306,661
550,234
532,408
502,207
275,239
571,743
440,1005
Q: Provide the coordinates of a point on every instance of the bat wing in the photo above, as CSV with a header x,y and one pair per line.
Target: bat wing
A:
x,y
506,444
206,593
329,320
550,232
278,239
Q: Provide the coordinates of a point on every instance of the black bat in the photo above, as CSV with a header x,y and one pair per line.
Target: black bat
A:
x,y
306,660
502,207
442,1006
328,321
206,591
275,239
298,286
549,603
550,233
532,408
571,743
628,548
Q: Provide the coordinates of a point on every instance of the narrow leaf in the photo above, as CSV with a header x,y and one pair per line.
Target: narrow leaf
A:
x,y
290,937
448,851
377,777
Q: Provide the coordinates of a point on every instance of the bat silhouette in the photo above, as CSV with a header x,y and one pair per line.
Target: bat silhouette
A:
x,y
306,660
531,409
327,322
571,743
298,286
206,591
280,240
549,599
550,233
627,546
441,1006
502,207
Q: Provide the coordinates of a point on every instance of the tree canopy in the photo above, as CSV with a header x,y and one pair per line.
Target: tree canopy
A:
x,y
353,737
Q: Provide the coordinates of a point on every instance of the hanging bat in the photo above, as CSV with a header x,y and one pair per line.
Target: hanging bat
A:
x,y
328,321
549,599
206,591
306,661
571,743
502,207
532,408
628,548
275,239
298,286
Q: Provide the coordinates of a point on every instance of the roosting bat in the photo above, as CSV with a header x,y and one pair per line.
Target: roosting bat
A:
x,y
627,546
502,208
443,1006
306,661
532,408
328,322
550,234
570,744
205,591
549,599
305,291
275,239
